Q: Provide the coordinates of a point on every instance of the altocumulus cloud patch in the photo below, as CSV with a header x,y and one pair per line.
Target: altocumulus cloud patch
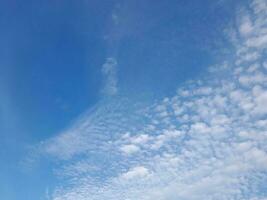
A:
x,y
208,141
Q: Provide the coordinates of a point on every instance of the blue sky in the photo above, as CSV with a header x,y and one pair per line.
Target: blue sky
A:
x,y
133,100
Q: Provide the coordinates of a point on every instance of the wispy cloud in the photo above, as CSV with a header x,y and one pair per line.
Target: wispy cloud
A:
x,y
109,70
206,142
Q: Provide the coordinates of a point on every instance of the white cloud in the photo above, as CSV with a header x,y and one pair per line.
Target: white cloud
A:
x,y
260,101
258,41
140,139
203,91
109,70
246,26
248,80
130,149
136,172
259,6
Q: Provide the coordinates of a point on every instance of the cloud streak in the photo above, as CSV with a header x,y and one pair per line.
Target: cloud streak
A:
x,y
109,71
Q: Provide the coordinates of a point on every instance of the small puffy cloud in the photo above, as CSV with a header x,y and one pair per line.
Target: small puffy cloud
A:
x,y
257,158
260,99
129,149
200,128
136,172
140,139
259,6
203,91
258,41
248,80
183,93
246,26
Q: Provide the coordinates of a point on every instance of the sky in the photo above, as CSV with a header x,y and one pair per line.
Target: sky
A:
x,y
133,100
